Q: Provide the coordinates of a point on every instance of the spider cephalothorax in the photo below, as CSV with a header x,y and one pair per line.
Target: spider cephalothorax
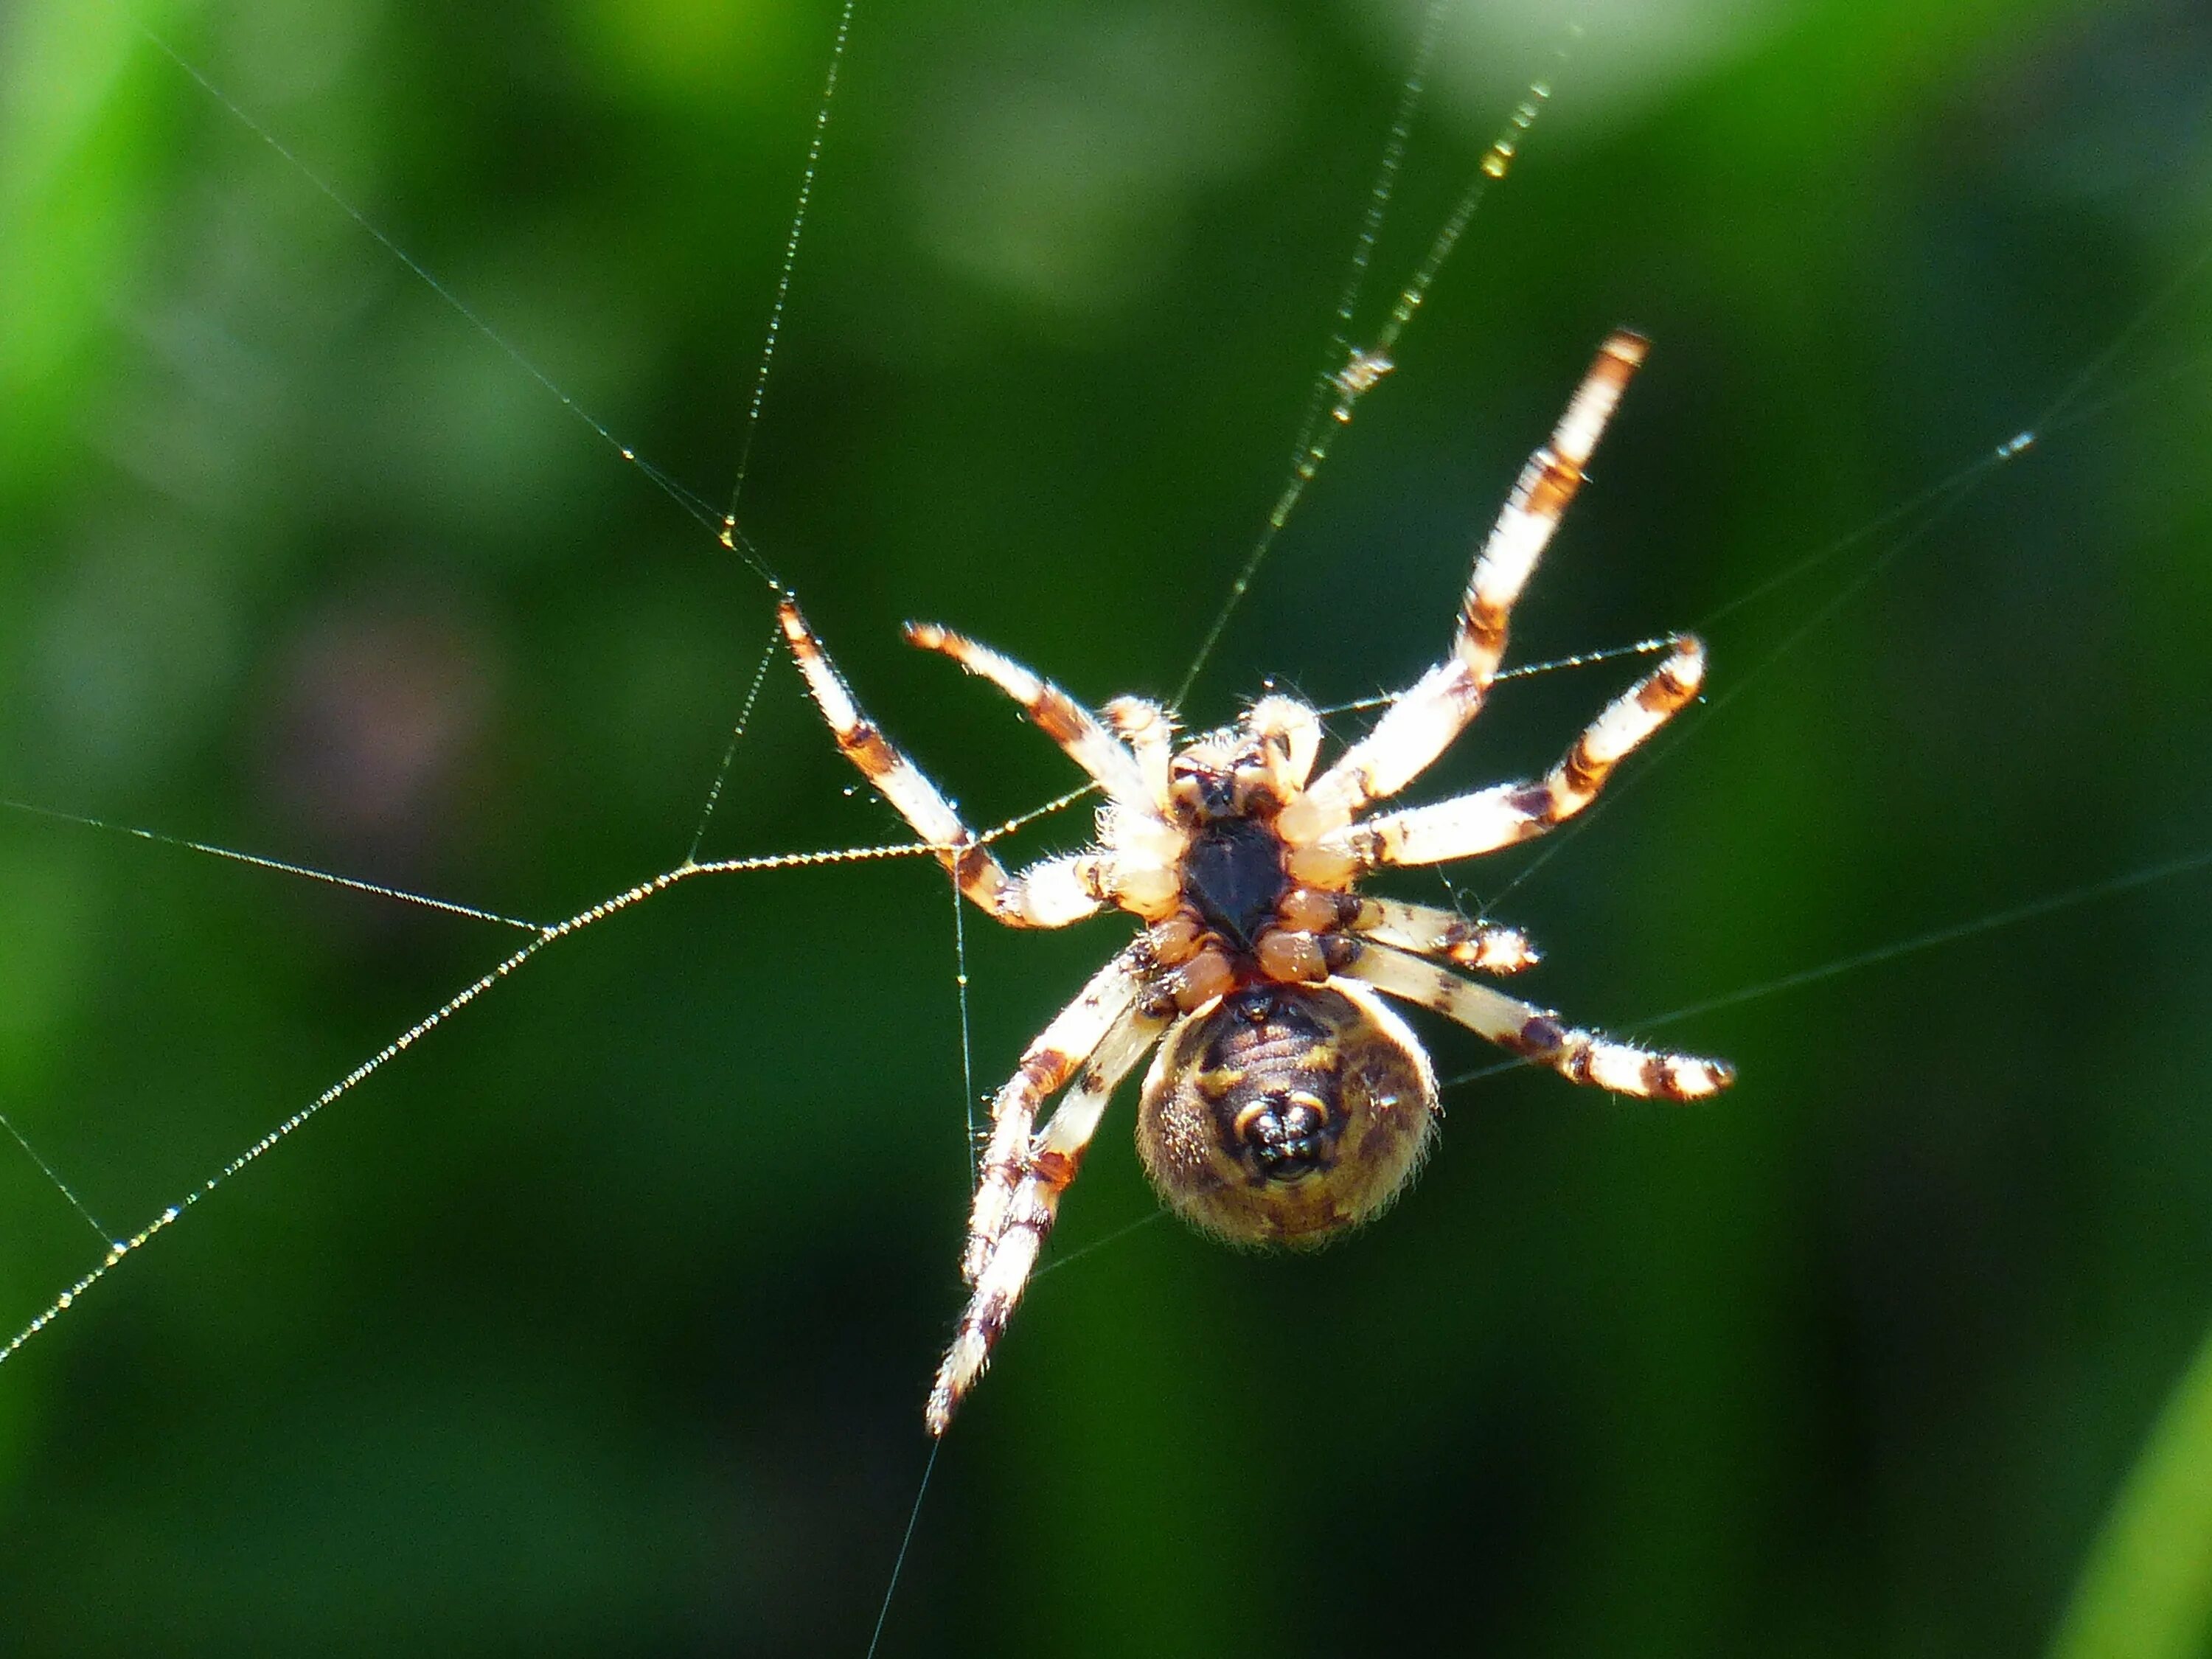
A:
x,y
1288,1102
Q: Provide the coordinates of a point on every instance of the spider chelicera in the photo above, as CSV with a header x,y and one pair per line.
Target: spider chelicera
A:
x,y
1287,1102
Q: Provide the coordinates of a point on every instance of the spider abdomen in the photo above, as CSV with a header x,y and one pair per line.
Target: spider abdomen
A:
x,y
1285,1114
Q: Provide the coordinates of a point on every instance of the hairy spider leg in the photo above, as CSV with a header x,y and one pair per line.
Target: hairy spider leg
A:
x,y
1484,820
1426,930
1050,709
1420,725
1053,1157
1046,1066
1536,1033
1050,894
1149,730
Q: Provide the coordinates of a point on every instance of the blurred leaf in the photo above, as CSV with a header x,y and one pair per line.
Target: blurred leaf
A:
x,y
2147,1591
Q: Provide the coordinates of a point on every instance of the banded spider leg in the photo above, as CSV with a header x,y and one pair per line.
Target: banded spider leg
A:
x,y
1523,1027
1484,820
1111,1022
1424,720
1048,1162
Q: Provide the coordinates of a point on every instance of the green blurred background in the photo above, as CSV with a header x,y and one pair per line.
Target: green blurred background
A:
x,y
600,1324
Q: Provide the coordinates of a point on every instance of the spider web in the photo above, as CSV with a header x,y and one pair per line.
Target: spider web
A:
x,y
772,1179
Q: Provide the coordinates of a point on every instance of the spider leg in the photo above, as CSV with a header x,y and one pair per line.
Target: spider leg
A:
x,y
1540,498
1149,730
1051,710
1421,724
1046,1066
1426,930
1487,819
1536,1033
1053,1156
1048,895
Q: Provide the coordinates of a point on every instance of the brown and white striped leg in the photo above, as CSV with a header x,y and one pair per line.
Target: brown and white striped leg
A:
x,y
1487,819
1523,1029
1046,1066
1540,499
1423,721
1051,710
1054,1157
1428,931
1051,895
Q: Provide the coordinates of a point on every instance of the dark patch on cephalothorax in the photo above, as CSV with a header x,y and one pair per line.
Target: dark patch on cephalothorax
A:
x,y
1204,790
1233,876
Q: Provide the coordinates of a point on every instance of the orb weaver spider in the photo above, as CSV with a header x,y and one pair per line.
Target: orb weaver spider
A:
x,y
1287,1102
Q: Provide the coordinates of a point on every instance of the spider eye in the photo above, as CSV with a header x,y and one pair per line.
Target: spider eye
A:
x,y
1285,1114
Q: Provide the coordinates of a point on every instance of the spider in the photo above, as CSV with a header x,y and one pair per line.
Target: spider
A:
x,y
1287,1102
